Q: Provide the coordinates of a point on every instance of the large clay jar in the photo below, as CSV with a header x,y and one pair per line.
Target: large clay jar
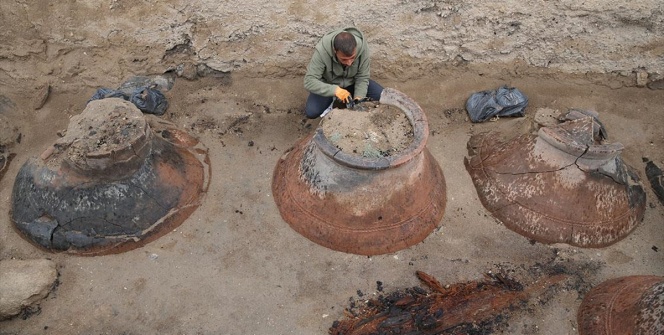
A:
x,y
562,185
627,305
117,180
359,205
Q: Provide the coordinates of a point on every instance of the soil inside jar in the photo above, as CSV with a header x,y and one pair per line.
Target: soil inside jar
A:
x,y
371,130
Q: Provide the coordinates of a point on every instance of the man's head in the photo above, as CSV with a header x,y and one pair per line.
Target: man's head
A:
x,y
345,48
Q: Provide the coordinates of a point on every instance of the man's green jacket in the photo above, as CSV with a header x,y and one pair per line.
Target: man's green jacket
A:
x,y
324,72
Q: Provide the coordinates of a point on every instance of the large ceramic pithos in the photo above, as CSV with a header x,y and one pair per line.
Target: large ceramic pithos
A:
x,y
360,205
626,305
117,180
561,185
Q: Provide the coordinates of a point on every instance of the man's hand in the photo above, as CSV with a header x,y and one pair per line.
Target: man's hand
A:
x,y
342,94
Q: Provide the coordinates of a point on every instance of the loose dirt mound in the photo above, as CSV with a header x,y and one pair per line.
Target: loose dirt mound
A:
x,y
373,130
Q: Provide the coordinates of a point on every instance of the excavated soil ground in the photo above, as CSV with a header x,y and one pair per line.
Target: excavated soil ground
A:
x,y
371,130
235,267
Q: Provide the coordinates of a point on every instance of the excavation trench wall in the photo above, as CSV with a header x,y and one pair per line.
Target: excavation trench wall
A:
x,y
112,39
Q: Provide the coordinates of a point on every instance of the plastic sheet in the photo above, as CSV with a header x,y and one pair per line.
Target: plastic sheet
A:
x,y
505,101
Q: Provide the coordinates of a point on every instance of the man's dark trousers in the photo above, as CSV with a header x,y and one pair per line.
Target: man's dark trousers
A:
x,y
316,104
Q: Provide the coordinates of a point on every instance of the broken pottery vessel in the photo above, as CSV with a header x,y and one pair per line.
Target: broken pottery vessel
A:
x,y
564,184
117,180
360,205
625,305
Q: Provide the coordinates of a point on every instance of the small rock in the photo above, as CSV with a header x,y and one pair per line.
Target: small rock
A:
x,y
187,71
9,133
656,84
546,117
24,283
41,95
641,78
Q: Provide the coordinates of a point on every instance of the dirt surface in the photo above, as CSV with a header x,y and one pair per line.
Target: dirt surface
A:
x,y
235,267
370,130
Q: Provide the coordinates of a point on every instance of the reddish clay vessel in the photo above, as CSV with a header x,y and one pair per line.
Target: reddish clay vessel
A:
x,y
561,185
359,205
117,180
626,305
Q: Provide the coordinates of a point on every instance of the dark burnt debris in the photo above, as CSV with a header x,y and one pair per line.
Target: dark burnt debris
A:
x,y
461,308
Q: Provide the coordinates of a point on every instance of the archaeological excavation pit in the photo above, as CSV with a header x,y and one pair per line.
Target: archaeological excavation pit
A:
x,y
365,202
565,184
116,180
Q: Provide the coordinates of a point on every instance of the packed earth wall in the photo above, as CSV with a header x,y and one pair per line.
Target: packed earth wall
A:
x,y
409,39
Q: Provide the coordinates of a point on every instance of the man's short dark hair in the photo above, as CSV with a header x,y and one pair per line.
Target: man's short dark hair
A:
x,y
345,42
